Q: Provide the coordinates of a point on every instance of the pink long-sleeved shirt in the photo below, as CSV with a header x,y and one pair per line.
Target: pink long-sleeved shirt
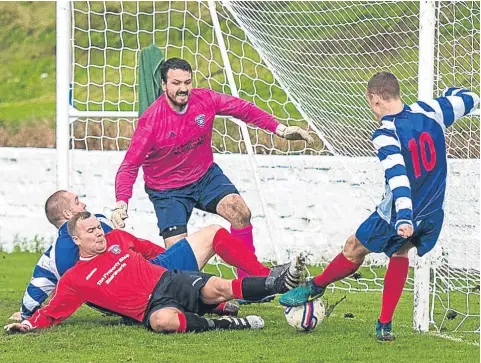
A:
x,y
174,149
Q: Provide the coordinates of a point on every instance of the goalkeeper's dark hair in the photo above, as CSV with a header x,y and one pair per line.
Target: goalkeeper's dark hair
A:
x,y
174,63
72,222
385,85
54,207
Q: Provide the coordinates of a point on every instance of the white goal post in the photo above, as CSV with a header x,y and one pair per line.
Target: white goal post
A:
x,y
307,63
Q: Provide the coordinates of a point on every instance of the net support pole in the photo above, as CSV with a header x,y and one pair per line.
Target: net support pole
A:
x,y
62,92
427,26
242,125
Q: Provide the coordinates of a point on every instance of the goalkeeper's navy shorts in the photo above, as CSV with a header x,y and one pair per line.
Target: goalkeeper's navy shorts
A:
x,y
174,207
179,256
180,290
377,235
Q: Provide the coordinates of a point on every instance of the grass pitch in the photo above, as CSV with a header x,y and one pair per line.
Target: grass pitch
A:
x,y
88,336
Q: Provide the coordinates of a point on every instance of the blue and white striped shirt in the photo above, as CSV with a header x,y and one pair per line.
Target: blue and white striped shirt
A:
x,y
412,149
54,262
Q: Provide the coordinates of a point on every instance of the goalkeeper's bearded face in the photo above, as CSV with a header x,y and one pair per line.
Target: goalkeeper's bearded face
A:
x,y
178,87
90,237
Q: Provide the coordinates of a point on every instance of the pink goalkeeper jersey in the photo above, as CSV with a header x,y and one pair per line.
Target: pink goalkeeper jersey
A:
x,y
175,149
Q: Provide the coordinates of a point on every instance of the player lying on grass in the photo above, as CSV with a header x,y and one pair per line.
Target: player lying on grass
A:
x,y
113,272
190,254
172,143
411,146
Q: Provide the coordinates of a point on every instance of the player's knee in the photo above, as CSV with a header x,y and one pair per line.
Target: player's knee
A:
x,y
223,288
245,219
216,290
207,236
350,246
236,211
354,250
169,241
213,229
164,321
241,218
244,213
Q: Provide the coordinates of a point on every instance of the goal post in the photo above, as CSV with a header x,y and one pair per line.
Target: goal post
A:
x,y
63,46
427,27
306,63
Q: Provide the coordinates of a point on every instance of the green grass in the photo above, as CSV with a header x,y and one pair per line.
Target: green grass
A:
x,y
89,337
13,114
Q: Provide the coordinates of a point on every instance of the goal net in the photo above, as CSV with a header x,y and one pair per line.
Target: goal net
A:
x,y
307,63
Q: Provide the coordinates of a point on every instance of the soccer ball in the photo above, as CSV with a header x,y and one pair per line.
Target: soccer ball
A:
x,y
307,316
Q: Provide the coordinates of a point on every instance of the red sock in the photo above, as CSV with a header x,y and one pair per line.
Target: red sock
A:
x,y
396,275
182,323
237,288
245,235
232,250
339,268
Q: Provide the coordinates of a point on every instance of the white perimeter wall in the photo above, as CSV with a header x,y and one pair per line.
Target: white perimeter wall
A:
x,y
315,202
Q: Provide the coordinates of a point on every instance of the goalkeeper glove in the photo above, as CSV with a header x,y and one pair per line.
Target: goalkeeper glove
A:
x,y
294,133
119,214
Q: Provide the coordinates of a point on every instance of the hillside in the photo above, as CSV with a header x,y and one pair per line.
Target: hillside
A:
x,y
27,73
332,65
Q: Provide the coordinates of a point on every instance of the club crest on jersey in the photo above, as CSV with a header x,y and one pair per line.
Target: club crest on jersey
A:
x,y
115,249
200,119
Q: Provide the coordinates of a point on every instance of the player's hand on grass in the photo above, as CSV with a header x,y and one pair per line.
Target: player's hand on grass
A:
x,y
405,230
15,328
16,316
294,133
119,214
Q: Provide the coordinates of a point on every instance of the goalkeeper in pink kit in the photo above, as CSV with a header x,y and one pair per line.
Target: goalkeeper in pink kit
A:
x,y
172,143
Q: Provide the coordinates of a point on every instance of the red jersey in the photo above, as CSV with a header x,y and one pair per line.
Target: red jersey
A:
x,y
174,149
119,279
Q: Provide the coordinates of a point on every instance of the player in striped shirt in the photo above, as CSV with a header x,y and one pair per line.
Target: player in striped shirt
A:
x,y
410,143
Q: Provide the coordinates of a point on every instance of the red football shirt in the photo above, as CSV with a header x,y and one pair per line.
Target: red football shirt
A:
x,y
175,149
119,279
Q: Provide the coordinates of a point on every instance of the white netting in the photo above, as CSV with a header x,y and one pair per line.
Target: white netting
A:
x,y
323,53
455,304
299,61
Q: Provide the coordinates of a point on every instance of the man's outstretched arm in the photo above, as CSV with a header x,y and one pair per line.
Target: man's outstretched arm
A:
x,y
64,303
454,103
250,113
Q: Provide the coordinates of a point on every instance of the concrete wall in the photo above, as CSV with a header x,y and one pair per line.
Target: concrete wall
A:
x,y
315,202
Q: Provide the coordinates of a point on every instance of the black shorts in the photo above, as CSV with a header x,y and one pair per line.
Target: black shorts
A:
x,y
180,290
